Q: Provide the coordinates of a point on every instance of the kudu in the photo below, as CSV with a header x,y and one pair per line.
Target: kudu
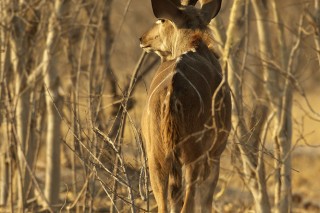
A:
x,y
187,117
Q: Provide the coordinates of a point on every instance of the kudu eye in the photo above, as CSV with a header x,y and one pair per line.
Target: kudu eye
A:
x,y
161,21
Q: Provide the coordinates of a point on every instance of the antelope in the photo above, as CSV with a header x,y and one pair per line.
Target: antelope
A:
x,y
187,116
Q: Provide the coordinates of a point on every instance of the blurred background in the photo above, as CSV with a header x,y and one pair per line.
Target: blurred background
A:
x,y
73,84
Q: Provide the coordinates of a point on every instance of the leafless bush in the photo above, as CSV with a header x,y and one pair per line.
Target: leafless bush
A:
x,y
64,97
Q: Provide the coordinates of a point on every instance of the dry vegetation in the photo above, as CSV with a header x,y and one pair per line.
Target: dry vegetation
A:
x,y
73,81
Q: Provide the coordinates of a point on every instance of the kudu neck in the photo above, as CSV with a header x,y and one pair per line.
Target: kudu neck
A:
x,y
188,41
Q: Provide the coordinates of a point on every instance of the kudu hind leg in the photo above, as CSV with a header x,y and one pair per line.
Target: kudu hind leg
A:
x,y
159,184
175,189
207,186
191,178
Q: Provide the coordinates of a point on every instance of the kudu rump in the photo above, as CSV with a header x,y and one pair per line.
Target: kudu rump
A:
x,y
186,120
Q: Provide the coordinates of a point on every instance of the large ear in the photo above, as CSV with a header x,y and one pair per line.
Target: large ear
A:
x,y
165,9
209,9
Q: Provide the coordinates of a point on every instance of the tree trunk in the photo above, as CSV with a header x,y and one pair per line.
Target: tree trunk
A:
x,y
249,141
4,168
4,56
271,87
20,41
54,105
317,27
281,102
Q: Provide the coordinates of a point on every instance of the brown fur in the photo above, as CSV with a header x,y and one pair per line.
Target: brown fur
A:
x,y
183,139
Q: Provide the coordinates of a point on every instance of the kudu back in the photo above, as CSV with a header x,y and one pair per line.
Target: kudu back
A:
x,y
187,116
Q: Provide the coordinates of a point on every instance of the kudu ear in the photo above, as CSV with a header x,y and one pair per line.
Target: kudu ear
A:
x,y
165,9
209,9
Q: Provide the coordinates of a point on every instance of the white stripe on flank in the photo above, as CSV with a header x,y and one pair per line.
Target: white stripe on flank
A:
x,y
200,98
154,90
157,74
206,60
175,47
208,85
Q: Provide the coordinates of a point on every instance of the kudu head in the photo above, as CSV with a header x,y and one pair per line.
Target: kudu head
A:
x,y
179,27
